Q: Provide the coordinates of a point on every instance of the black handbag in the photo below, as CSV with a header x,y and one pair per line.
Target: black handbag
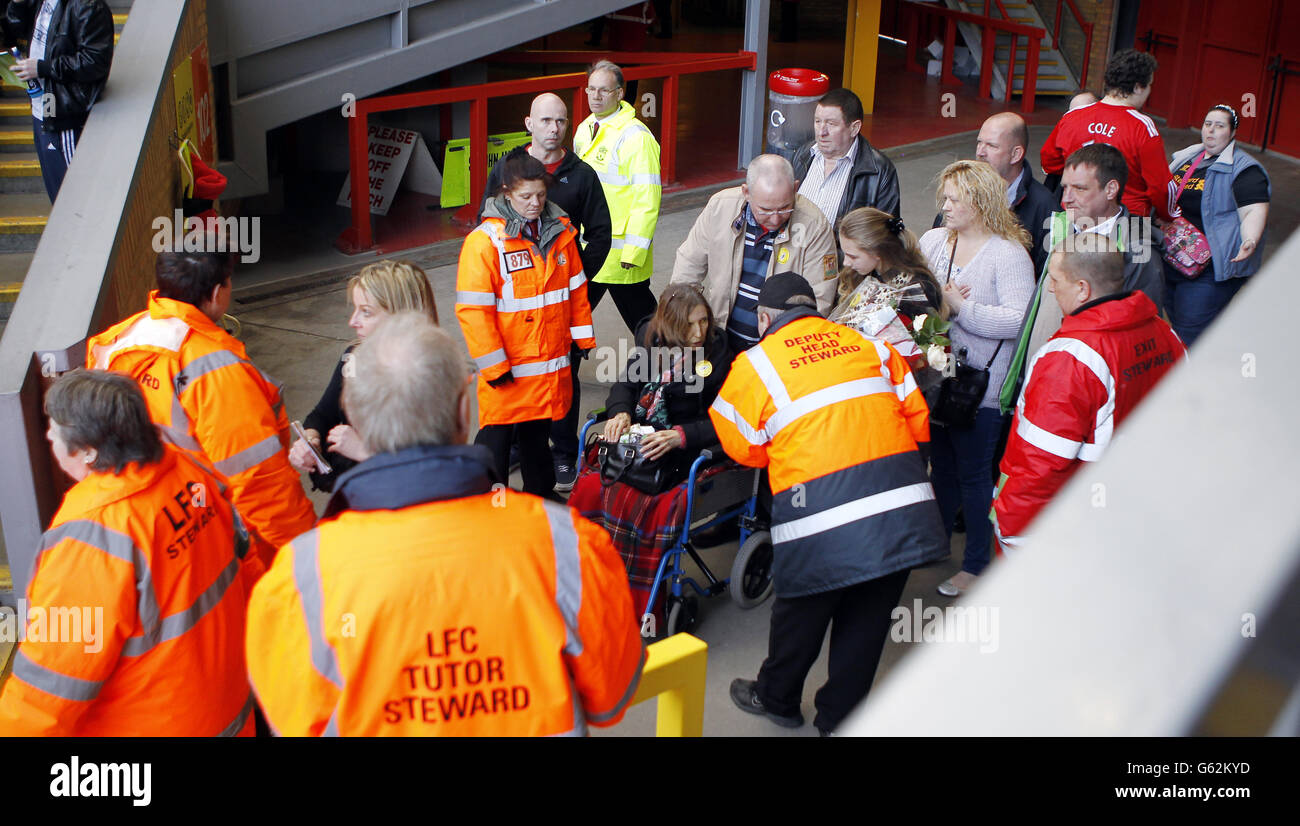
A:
x,y
961,393
623,462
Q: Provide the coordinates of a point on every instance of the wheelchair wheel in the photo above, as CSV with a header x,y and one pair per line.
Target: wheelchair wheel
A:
x,y
751,573
683,614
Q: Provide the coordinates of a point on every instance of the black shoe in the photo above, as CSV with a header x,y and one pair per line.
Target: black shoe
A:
x,y
822,732
514,457
746,699
566,473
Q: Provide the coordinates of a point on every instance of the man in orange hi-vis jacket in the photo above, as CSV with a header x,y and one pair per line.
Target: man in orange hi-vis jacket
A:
x,y
206,395
428,601
838,421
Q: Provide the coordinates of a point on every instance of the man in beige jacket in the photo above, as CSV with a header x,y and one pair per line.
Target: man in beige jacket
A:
x,y
746,234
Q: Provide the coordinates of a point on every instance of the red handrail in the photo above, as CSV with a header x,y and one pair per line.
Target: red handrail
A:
x,y
990,26
668,65
1085,26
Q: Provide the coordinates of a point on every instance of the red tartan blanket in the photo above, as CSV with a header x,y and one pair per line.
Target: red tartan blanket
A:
x,y
642,526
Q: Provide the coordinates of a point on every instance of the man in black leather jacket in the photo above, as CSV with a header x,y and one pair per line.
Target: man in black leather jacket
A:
x,y
70,49
871,178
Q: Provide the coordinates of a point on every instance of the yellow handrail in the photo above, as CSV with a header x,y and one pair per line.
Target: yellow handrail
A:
x,y
675,671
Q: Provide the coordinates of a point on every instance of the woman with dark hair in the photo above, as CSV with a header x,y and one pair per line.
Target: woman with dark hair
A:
x,y
1225,197
664,385
521,300
670,380
147,538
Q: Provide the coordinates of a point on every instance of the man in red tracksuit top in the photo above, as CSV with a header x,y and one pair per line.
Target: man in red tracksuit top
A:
x,y
1111,350
1115,120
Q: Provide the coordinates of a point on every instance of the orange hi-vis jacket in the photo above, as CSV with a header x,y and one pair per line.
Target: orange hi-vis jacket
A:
x,y
837,418
135,611
439,606
521,305
209,398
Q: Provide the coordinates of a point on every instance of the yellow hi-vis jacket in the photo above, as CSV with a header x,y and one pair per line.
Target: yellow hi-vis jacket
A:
x,y
626,159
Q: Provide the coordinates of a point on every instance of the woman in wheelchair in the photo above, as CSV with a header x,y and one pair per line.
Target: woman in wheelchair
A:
x,y
671,377
673,374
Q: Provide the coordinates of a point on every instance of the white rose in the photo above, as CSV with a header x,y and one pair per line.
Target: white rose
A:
x,y
918,322
937,357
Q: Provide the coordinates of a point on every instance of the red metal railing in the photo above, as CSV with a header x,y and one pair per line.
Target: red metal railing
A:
x,y
1085,26
668,65
991,26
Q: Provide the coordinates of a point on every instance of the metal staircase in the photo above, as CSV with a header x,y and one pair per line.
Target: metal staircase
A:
x,y
286,60
24,206
1054,76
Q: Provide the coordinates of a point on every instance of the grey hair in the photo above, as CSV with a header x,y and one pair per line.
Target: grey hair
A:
x,y
106,412
769,168
405,385
607,66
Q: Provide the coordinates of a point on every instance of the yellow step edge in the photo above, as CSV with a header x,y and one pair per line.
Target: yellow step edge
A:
x,y
9,291
16,138
119,19
1021,76
22,224
23,168
15,109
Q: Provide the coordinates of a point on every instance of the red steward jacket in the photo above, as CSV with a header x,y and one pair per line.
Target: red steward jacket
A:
x,y
1079,387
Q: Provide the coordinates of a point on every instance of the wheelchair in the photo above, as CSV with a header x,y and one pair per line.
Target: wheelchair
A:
x,y
723,497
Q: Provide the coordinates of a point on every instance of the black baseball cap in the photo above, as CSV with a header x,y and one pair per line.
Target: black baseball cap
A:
x,y
779,289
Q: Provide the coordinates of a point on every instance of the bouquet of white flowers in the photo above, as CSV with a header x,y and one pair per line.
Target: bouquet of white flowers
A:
x,y
872,309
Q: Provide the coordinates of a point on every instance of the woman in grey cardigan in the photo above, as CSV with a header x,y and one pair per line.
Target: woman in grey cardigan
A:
x,y
980,256
1226,198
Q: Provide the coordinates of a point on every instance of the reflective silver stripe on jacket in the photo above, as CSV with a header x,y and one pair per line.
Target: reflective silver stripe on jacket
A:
x,y
52,682
241,720
118,545
176,625
306,576
539,368
568,572
250,457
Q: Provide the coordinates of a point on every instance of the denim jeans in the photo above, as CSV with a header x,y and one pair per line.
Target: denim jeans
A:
x,y
1194,303
961,470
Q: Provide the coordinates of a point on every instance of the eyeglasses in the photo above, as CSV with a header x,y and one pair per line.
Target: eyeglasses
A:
x,y
597,92
771,213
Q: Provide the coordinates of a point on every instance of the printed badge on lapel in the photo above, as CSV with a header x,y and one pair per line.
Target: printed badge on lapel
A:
x,y
520,260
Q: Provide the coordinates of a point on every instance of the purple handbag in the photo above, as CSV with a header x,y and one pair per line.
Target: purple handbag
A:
x,y
1186,248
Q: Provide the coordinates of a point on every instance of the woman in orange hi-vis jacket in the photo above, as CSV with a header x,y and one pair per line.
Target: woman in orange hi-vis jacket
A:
x,y
521,300
134,619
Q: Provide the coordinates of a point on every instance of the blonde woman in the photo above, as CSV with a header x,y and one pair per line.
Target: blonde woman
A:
x,y
376,292
981,258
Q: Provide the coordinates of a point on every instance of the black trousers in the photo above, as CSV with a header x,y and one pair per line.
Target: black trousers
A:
x,y
859,618
535,462
634,301
564,432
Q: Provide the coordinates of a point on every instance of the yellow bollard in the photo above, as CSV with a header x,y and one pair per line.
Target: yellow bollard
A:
x,y
675,672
